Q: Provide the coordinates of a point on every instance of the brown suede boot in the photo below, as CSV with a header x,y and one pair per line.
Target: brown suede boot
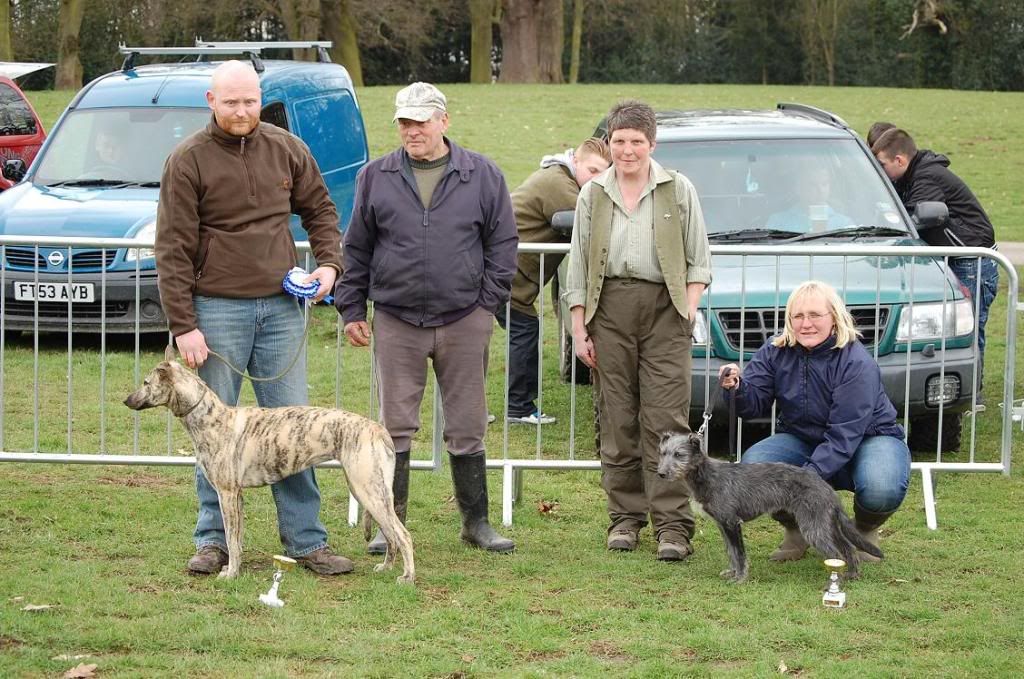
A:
x,y
867,525
793,545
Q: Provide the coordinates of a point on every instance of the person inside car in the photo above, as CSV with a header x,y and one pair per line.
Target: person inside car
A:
x,y
811,209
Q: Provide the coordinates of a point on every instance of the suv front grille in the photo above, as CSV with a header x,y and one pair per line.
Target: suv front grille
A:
x,y
759,325
59,310
81,260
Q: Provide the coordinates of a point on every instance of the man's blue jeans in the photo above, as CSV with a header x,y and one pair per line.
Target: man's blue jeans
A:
x,y
966,269
261,336
878,473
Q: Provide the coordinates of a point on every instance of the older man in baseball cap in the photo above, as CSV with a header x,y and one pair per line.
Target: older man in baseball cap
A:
x,y
434,224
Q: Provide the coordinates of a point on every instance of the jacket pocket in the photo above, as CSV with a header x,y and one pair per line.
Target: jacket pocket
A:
x,y
205,246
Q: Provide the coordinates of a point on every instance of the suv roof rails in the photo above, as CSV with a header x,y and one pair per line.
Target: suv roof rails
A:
x,y
812,112
203,49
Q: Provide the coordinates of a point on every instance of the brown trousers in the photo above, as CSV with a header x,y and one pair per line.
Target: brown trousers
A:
x,y
643,361
458,352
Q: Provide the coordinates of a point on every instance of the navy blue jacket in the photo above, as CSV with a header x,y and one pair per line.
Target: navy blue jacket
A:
x,y
829,397
428,267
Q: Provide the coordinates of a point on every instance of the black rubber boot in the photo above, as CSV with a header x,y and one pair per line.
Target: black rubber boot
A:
x,y
378,545
469,474
867,524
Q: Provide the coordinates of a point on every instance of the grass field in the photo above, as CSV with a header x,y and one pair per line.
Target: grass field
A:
x,y
106,546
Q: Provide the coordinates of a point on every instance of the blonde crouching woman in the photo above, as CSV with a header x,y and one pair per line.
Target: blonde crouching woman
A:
x,y
833,414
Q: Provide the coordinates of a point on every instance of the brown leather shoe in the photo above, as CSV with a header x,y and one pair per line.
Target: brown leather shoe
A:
x,y
622,540
672,550
208,560
325,562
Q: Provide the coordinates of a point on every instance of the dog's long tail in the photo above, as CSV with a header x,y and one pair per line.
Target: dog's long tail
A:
x,y
854,536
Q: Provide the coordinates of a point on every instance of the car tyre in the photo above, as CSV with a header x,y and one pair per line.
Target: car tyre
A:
x,y
924,430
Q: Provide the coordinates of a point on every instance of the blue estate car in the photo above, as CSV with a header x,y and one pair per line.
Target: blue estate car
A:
x,y
98,176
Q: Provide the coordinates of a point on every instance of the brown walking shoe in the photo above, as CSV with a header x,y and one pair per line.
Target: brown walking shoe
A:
x,y
672,550
622,540
325,562
208,560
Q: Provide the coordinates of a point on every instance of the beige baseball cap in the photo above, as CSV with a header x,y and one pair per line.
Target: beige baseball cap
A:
x,y
418,102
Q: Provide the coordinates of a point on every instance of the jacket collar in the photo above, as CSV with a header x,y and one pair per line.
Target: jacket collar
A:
x,y
822,348
227,139
460,161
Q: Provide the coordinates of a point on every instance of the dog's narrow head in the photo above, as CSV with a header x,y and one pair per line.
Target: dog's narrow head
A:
x,y
677,452
158,388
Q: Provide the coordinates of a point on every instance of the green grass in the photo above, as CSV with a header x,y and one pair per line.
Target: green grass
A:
x,y
106,546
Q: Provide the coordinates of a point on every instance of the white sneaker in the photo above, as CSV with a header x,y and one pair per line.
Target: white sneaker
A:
x,y
491,418
534,418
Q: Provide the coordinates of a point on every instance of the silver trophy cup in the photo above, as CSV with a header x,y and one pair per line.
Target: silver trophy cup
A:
x,y
834,597
284,564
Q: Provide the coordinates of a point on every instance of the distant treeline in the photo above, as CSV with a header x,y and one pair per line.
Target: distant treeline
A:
x,y
961,44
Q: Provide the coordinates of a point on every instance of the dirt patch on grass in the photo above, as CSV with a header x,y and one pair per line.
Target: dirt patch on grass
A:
x,y
139,480
608,651
543,656
7,643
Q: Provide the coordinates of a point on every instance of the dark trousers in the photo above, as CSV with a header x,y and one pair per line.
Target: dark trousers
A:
x,y
523,342
966,269
643,362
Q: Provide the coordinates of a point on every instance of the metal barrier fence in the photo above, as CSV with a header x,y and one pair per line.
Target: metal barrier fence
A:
x,y
884,286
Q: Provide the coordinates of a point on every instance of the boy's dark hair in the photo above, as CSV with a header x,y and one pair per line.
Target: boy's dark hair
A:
x,y
632,114
876,131
894,142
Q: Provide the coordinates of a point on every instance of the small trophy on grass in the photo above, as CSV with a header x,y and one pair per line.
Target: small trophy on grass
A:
x,y
284,564
834,597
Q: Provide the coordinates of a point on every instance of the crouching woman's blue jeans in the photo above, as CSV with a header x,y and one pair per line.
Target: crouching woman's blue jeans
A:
x,y
260,336
878,473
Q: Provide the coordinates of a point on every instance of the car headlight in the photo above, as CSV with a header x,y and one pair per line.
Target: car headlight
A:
x,y
935,321
133,254
700,329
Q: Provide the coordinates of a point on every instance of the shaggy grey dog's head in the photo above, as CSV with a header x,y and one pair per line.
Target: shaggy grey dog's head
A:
x,y
678,451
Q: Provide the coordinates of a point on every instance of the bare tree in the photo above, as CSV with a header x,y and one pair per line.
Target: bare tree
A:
x,y
69,24
519,42
6,52
302,22
339,27
483,14
819,30
577,40
926,13
551,41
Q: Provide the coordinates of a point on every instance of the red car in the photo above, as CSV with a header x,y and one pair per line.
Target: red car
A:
x,y
21,132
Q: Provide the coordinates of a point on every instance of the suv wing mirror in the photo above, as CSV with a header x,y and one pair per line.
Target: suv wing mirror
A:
x,y
930,214
14,169
562,221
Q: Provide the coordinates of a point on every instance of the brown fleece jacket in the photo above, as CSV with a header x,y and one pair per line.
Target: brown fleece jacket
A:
x,y
223,217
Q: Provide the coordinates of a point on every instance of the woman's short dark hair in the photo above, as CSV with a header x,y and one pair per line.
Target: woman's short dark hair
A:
x,y
632,114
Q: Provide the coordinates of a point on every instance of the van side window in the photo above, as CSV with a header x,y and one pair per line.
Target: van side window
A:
x,y
333,128
274,114
15,116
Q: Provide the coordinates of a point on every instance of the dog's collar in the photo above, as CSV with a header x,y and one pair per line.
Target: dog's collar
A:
x,y
191,407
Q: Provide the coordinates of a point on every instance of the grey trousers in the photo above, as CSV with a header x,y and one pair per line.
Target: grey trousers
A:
x,y
643,361
458,353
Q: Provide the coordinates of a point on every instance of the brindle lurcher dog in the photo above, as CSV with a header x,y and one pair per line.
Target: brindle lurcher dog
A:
x,y
245,447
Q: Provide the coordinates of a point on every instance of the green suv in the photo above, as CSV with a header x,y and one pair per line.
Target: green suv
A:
x,y
799,175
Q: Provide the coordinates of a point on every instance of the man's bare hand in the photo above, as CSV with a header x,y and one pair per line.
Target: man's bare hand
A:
x,y
729,376
192,347
358,333
326,275
585,350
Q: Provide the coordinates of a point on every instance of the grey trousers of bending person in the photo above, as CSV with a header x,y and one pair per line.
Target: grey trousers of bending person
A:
x,y
458,352
643,359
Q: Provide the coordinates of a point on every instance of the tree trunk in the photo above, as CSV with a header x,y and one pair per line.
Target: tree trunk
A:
x,y
6,52
481,31
69,23
551,41
519,42
340,28
577,40
301,22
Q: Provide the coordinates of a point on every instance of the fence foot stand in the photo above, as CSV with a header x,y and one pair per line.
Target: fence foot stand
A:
x,y
928,487
353,510
507,494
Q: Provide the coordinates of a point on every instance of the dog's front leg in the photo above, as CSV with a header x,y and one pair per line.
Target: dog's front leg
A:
x,y
231,511
732,536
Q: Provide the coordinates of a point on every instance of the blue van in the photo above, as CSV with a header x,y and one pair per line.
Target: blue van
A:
x,y
98,176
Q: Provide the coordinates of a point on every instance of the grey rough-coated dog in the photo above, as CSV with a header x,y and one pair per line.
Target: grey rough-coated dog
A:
x,y
733,493
245,447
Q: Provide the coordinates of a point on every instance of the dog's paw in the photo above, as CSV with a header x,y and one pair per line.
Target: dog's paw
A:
x,y
731,575
406,580
382,567
226,573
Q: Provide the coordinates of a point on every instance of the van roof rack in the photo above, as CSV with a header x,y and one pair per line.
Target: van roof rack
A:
x,y
812,112
203,48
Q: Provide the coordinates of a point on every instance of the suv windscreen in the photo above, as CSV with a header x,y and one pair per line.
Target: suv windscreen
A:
x,y
783,185
116,144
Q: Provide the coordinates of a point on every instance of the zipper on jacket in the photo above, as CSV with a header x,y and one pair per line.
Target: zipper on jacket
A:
x,y
248,170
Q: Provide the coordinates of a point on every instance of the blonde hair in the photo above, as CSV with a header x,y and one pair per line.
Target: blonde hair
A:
x,y
597,147
843,329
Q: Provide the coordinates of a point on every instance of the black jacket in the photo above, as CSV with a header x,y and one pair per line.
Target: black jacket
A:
x,y
928,177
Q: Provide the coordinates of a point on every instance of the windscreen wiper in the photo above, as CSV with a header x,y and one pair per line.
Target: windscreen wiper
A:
x,y
752,234
853,232
94,182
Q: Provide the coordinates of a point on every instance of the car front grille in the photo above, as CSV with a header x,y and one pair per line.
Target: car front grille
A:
x,y
79,310
760,324
81,260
